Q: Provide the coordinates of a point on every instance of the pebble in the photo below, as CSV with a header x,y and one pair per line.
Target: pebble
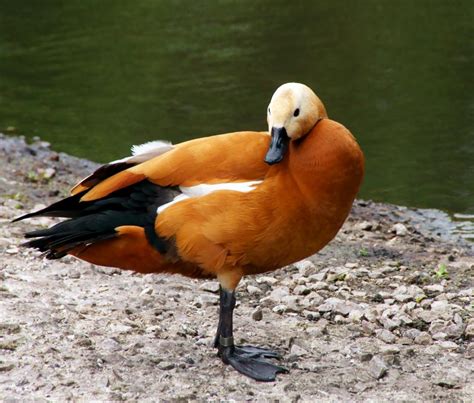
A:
x,y
469,332
210,286
426,316
399,229
469,353
279,309
320,285
377,367
267,280
278,293
441,309
5,367
252,290
385,335
305,267
49,173
301,290
365,226
356,316
257,314
297,350
12,250
205,300
292,303
412,333
311,315
423,338
433,289
165,365
318,329
448,345
317,277
337,305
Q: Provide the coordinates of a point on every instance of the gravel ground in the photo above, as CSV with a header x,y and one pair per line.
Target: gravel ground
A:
x,y
385,312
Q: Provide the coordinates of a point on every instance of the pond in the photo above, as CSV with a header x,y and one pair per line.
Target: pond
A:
x,y
93,77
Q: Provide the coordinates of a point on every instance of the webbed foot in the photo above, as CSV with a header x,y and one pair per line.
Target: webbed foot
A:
x,y
250,361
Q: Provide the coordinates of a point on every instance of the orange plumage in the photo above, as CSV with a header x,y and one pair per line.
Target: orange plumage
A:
x,y
218,207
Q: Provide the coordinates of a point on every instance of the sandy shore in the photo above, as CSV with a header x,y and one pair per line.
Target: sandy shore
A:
x,y
385,312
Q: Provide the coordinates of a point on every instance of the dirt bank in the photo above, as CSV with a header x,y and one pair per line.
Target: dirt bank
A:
x,y
385,312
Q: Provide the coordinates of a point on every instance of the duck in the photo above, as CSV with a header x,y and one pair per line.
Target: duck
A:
x,y
218,207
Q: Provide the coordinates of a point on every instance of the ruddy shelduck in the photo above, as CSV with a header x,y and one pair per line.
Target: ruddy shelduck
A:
x,y
218,207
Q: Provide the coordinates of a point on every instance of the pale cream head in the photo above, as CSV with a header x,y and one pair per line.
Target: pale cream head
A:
x,y
296,108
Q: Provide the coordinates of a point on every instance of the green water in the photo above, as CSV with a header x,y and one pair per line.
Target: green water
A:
x,y
94,77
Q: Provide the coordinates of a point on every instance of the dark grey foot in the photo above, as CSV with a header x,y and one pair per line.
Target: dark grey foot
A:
x,y
249,361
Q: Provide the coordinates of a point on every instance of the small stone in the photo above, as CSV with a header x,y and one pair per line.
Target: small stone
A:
x,y
252,290
389,349
340,319
9,328
146,291
433,349
399,229
442,309
412,333
74,274
314,278
165,365
337,274
350,265
257,314
423,338
210,286
469,353
279,309
377,367
320,285
267,280
49,173
318,329
297,350
311,315
433,289
301,290
292,303
365,226
451,378
469,332
278,293
205,300
440,336
385,335
305,267
448,345
355,316
314,299
12,250
405,341
120,328
427,316
388,323
5,367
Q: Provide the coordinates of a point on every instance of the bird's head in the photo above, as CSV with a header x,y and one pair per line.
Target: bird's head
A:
x,y
292,113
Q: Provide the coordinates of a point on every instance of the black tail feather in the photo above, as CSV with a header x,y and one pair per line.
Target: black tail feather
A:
x,y
95,221
68,207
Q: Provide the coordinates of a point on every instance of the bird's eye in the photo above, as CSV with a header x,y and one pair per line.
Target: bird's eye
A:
x,y
296,112
269,111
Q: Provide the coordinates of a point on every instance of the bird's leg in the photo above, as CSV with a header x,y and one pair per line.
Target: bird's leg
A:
x,y
247,360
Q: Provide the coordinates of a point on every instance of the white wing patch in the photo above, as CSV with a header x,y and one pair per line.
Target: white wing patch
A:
x,y
204,189
146,151
151,146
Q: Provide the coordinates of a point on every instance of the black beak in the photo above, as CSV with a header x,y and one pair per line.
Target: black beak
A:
x,y
278,146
